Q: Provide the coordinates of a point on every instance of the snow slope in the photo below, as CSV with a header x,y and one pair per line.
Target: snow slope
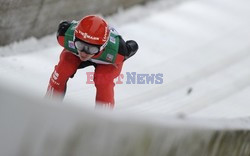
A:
x,y
201,47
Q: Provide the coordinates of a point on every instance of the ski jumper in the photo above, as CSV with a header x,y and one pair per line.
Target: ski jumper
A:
x,y
108,65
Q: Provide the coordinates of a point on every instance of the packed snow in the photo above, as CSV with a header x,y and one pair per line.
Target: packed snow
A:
x,y
202,49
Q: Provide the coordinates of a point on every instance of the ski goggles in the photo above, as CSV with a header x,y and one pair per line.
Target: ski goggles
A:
x,y
87,48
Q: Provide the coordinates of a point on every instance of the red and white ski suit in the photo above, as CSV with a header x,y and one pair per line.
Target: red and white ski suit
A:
x,y
104,74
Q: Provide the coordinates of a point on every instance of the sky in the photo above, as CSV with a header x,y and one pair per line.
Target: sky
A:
x,y
198,53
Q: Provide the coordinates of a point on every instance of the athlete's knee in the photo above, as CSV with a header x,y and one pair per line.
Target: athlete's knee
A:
x,y
68,64
103,80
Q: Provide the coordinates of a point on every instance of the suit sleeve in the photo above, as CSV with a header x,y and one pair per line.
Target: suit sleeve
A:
x,y
62,28
128,48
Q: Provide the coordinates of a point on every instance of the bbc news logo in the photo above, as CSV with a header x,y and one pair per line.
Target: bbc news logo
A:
x,y
129,78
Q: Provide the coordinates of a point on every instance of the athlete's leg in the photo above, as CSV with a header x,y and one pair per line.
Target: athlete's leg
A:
x,y
104,82
66,67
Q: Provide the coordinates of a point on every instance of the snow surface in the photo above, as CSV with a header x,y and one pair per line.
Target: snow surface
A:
x,y
201,47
